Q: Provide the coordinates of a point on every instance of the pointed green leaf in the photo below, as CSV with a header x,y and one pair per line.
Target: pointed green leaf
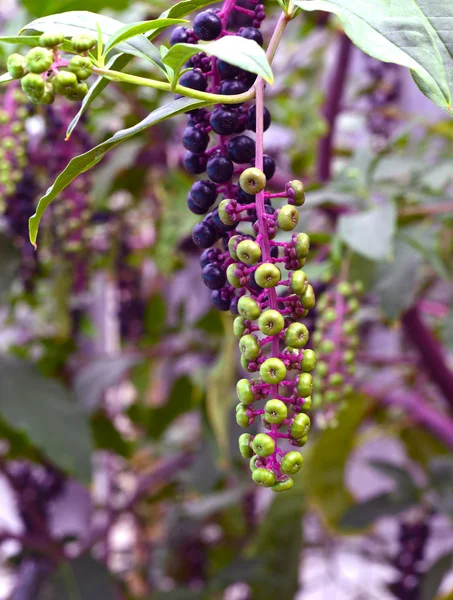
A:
x,y
133,29
5,78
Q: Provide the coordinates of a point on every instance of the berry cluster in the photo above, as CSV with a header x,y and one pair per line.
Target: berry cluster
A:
x,y
44,73
241,262
336,342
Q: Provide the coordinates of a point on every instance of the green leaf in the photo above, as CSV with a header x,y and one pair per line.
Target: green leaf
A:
x,y
370,233
107,437
417,34
236,50
80,579
46,7
86,161
432,579
44,410
133,29
78,22
364,514
5,78
181,9
26,40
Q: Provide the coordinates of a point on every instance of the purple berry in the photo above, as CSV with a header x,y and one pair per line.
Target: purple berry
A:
x,y
204,235
207,26
220,169
231,87
252,118
195,140
195,80
224,121
194,163
221,299
204,193
251,33
241,149
213,276
197,210
179,35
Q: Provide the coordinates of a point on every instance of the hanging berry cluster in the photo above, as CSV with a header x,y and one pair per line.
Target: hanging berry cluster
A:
x,y
44,73
241,262
335,341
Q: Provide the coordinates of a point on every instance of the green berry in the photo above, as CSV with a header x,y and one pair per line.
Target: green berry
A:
x,y
267,275
223,214
51,40
299,194
245,364
244,391
249,347
248,308
302,245
359,288
263,445
353,305
273,371
64,82
322,369
349,356
275,412
326,347
232,244
288,217
344,288
308,299
307,403
304,385
239,326
292,462
296,335
302,441
82,67
244,445
39,60
241,418
336,379
16,66
331,396
231,276
300,426
83,43
48,97
78,93
283,485
33,86
248,252
252,181
350,327
271,322
299,282
252,463
308,361
263,477
329,315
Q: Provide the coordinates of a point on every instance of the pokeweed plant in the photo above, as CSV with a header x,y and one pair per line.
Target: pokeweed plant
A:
x,y
219,62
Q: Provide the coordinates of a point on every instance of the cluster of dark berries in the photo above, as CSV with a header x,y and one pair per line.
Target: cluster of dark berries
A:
x,y
336,341
44,73
250,274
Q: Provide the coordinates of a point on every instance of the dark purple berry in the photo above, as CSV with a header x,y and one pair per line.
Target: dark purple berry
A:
x,y
220,169
213,276
210,255
244,198
224,121
204,193
194,139
204,235
268,167
179,35
207,26
195,80
197,210
234,306
251,33
194,163
241,149
226,70
252,118
231,87
221,299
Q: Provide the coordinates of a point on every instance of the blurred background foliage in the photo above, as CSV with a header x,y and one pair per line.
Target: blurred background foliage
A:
x,y
119,460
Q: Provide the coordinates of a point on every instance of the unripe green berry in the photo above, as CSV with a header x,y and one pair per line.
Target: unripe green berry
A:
x,y
244,445
263,477
271,322
83,43
304,385
241,418
326,347
275,412
77,93
322,369
300,426
353,305
232,244
350,327
48,97
296,335
299,194
232,277
302,245
302,441
307,404
359,288
336,379
344,288
267,275
245,364
248,252
239,326
273,371
331,396
252,181
39,60
248,308
308,299
82,67
249,346
64,82
349,356
16,66
223,214
252,463
299,282
33,86
263,445
288,217
292,462
51,40
329,315
308,361
283,485
244,391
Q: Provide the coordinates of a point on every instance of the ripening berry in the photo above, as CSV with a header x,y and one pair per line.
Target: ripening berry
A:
x,y
308,299
252,181
271,322
83,43
267,275
308,361
296,336
288,217
16,66
273,371
249,308
232,277
275,412
300,426
299,282
51,40
81,66
244,391
263,477
39,60
263,445
220,169
33,86
244,445
248,252
292,463
207,26
304,385
283,485
249,347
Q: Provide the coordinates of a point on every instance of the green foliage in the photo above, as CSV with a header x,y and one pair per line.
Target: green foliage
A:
x,y
39,8
433,578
